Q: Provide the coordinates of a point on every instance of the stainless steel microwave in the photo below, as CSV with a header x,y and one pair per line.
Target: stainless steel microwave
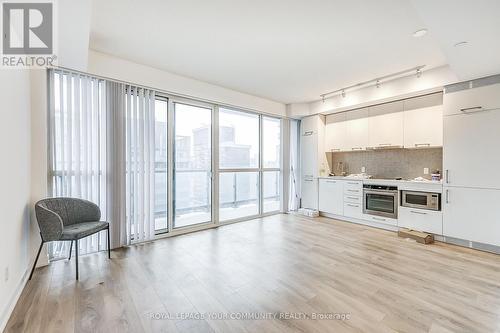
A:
x,y
422,200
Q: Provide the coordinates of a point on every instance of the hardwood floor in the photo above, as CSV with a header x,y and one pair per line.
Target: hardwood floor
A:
x,y
279,264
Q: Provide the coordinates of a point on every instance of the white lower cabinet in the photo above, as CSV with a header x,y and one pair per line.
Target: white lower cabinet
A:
x,y
353,210
331,196
309,189
421,220
472,214
380,219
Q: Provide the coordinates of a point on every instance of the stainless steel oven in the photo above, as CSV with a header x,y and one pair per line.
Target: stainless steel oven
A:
x,y
380,200
423,200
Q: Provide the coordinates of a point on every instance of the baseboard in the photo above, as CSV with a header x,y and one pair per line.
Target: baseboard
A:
x,y
4,318
359,221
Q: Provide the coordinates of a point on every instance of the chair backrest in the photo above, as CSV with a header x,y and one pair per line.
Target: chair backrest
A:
x,y
53,214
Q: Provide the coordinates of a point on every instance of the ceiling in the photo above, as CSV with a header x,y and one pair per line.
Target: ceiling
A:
x,y
284,50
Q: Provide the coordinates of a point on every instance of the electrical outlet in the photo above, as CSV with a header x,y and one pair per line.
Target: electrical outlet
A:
x,y
363,169
426,171
6,274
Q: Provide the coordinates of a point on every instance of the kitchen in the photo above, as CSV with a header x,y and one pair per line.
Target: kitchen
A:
x,y
413,163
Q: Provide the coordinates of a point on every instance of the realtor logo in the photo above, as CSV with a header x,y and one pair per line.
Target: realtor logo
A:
x,y
27,34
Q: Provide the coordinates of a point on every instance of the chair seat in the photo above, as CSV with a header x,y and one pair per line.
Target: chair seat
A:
x,y
84,229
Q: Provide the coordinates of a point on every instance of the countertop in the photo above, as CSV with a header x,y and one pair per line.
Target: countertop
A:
x,y
402,184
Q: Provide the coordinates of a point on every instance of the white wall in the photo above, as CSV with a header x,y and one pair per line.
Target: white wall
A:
x,y
15,143
73,31
405,87
121,69
39,155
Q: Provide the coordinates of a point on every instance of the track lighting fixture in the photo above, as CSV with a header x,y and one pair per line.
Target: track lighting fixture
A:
x,y
377,82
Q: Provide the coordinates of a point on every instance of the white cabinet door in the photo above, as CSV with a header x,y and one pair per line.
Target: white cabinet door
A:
x,y
309,155
471,100
472,214
353,210
386,125
335,132
470,150
308,125
421,220
356,128
331,195
309,191
423,127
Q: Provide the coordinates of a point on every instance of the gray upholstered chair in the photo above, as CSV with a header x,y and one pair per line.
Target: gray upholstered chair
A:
x,y
68,219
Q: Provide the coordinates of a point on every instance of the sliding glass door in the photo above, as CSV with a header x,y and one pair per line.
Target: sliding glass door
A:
x,y
192,174
238,164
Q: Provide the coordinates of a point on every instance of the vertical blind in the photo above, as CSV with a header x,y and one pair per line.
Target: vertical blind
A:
x,y
77,148
140,164
102,149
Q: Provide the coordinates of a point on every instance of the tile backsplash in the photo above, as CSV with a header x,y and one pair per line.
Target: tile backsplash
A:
x,y
389,163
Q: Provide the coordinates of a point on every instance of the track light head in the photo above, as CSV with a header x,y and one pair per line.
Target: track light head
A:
x,y
377,83
343,93
419,73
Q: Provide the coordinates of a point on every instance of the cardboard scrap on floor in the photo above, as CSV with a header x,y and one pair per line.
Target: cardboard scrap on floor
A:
x,y
420,237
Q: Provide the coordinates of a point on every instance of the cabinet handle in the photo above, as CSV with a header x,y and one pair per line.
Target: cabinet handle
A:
x,y
335,149
379,219
472,108
447,176
308,180
351,205
355,191
385,144
356,198
447,196
331,181
308,133
422,145
357,148
352,183
415,212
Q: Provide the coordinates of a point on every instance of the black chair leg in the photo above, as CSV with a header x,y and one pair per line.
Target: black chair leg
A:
x,y
76,258
70,249
109,246
36,260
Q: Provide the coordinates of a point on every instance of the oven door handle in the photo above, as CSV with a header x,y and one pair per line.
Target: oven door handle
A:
x,y
381,192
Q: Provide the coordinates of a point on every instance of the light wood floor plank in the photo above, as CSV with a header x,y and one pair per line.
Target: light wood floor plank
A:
x,y
279,265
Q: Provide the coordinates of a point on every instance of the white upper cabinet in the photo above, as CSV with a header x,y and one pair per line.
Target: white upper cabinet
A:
x,y
386,125
413,123
423,122
472,100
356,128
335,132
470,150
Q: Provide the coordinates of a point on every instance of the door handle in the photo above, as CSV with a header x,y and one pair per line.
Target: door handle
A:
x,y
471,109
415,212
447,196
